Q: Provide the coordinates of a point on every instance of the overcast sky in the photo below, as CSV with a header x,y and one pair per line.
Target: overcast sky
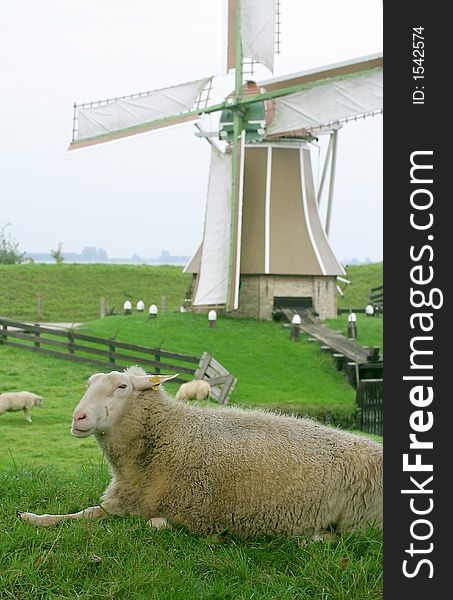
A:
x,y
147,193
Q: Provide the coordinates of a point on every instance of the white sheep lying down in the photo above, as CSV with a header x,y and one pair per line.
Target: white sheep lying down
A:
x,y
11,401
214,469
194,390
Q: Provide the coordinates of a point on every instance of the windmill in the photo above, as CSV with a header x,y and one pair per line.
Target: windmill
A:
x,y
264,245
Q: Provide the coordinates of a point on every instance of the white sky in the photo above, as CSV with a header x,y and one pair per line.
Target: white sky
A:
x,y
147,193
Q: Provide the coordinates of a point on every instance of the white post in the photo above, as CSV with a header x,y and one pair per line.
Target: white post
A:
x,y
352,326
212,318
295,328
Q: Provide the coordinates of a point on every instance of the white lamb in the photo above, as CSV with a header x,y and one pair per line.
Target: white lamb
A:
x,y
194,390
11,401
215,469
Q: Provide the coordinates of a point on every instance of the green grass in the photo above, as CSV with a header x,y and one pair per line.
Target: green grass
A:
x,y
123,558
269,368
72,292
369,329
362,278
44,469
271,371
47,441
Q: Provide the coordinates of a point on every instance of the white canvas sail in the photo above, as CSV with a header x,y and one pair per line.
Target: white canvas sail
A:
x,y
258,30
328,104
213,275
121,114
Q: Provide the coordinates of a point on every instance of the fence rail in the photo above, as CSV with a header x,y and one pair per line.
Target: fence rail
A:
x,y
71,345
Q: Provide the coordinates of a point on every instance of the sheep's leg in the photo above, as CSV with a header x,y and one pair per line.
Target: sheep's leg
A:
x,y
92,513
27,414
159,523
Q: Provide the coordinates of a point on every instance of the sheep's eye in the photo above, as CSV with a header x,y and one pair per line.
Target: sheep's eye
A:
x,y
123,386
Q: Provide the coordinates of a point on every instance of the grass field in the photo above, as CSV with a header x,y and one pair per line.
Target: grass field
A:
x,y
362,278
44,469
269,367
369,329
122,558
72,292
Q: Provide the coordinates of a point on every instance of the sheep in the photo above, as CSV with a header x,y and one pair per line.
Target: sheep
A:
x,y
194,390
10,401
212,469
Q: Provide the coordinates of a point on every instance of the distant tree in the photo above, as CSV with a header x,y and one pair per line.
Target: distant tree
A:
x,y
9,248
93,253
89,253
57,254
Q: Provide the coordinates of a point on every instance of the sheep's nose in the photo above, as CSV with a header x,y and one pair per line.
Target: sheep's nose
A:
x,y
79,416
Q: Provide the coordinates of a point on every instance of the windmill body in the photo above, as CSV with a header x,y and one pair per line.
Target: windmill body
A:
x,y
264,246
285,256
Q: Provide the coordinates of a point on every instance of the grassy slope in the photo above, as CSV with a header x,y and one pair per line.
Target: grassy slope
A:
x,y
369,329
47,441
43,468
267,365
270,369
362,278
72,292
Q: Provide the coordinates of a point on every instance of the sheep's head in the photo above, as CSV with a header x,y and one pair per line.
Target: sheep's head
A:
x,y
106,396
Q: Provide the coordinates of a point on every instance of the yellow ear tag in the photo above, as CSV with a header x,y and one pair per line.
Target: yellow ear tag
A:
x,y
155,380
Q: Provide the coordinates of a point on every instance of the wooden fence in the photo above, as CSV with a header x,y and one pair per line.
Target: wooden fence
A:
x,y
370,399
71,345
221,381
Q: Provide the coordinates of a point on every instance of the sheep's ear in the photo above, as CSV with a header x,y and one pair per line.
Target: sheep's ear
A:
x,y
146,382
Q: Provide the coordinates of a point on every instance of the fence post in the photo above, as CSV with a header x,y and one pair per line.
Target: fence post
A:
x,y
37,334
111,351
71,341
157,357
102,308
39,308
4,337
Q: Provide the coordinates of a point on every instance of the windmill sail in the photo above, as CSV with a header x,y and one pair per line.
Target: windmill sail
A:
x,y
257,31
108,120
327,105
263,238
212,284
338,70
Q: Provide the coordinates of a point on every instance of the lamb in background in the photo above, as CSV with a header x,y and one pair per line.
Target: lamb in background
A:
x,y
194,390
11,401
213,469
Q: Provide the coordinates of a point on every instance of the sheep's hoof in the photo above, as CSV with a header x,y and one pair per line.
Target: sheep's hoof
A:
x,y
159,523
42,520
